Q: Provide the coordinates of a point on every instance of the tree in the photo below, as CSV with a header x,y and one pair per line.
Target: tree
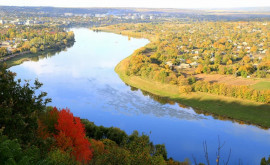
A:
x,y
71,136
160,149
11,152
3,52
254,49
19,107
265,162
199,69
34,50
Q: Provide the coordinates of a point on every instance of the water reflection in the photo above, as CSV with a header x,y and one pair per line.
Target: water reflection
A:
x,y
17,60
128,102
166,100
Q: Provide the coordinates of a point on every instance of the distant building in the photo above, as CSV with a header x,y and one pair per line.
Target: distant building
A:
x,y
194,64
152,17
183,66
169,63
196,57
100,15
68,14
2,22
29,22
134,17
143,17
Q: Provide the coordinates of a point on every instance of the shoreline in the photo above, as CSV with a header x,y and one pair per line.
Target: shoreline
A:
x,y
242,111
13,60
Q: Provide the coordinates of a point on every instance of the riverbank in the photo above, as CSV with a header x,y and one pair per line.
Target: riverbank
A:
x,y
26,56
242,110
246,111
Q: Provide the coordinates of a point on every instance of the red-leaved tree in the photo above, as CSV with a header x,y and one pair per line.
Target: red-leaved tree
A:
x,y
71,136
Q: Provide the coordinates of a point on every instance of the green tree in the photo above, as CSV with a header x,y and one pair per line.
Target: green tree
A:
x,y
19,107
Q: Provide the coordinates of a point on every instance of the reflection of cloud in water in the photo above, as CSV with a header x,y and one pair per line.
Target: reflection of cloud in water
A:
x,y
131,103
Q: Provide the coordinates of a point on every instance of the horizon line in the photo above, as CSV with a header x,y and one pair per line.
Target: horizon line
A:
x,y
212,8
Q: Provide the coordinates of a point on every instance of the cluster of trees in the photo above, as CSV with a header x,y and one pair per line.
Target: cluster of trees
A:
x,y
32,133
236,91
34,38
141,65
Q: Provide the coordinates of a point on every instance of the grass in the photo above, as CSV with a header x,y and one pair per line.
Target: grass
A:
x,y
261,85
219,106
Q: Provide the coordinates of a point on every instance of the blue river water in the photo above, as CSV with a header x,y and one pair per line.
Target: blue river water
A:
x,y
82,78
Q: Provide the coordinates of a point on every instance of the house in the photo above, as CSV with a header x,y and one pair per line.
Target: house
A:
x,y
183,66
182,60
196,57
262,51
29,22
5,43
194,64
255,66
170,64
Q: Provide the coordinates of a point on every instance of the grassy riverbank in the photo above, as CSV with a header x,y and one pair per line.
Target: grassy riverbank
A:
x,y
243,110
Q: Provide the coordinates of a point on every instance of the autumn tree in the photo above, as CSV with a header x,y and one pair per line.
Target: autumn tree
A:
x,y
71,136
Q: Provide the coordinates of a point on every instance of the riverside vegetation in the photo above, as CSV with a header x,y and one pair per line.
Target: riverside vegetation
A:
x,y
19,40
219,67
32,133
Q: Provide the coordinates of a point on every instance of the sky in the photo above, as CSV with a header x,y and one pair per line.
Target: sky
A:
x,y
140,3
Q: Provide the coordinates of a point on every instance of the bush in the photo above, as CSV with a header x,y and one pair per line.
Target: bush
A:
x,y
185,89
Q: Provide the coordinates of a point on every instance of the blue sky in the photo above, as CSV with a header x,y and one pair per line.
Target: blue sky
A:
x,y
140,3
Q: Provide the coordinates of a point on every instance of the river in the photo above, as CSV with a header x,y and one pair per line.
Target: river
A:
x,y
82,78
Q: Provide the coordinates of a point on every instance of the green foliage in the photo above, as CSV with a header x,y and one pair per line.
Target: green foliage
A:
x,y
34,38
265,162
160,149
12,153
236,91
114,155
185,89
117,147
191,80
58,157
33,50
98,133
19,107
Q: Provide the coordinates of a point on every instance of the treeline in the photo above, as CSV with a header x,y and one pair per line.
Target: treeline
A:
x,y
33,38
235,91
32,133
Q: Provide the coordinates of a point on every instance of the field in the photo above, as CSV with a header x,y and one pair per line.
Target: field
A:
x,y
227,79
261,85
